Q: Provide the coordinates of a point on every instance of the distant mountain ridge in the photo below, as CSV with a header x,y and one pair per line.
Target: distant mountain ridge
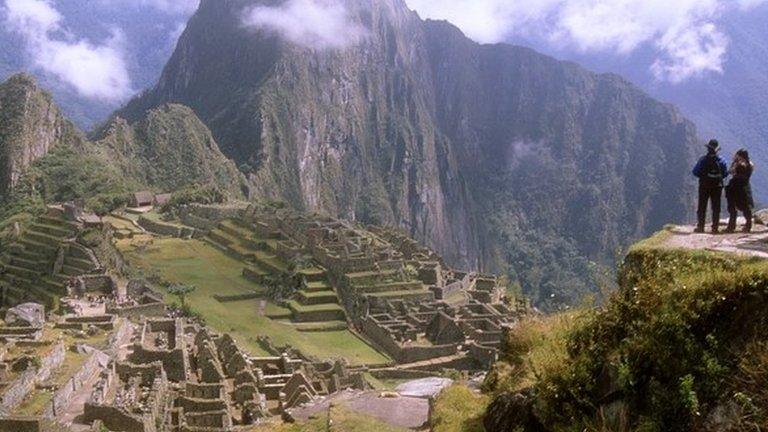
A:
x,y
44,157
729,106
497,156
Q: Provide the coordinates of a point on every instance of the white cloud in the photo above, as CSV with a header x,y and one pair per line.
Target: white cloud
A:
x,y
684,32
172,7
319,24
747,4
96,71
690,53
179,7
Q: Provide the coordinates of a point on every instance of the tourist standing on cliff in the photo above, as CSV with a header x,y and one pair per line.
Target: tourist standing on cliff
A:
x,y
711,171
739,192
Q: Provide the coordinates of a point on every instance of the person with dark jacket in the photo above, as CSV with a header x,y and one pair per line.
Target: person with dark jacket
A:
x,y
711,171
739,191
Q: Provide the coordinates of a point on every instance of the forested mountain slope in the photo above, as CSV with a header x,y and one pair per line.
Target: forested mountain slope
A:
x,y
499,157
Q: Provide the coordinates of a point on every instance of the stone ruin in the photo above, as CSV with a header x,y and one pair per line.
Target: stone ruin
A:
x,y
183,377
399,295
25,358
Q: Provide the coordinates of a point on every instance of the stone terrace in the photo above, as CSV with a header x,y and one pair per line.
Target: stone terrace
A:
x,y
44,258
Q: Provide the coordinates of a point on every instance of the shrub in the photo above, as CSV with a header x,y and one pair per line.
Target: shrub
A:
x,y
666,342
195,195
458,409
104,204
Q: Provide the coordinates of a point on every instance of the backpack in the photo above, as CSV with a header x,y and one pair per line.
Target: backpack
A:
x,y
713,174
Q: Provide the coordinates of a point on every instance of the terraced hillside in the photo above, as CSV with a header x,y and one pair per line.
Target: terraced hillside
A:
x,y
38,264
315,307
231,303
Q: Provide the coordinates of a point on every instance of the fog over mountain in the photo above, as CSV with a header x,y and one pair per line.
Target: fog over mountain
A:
x,y
94,54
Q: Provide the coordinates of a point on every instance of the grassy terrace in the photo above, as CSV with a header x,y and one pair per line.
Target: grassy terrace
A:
x,y
213,272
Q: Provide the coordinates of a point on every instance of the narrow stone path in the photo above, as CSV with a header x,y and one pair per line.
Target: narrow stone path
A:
x,y
430,362
262,307
754,244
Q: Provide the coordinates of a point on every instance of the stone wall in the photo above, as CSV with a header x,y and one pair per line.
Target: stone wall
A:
x,y
166,229
15,393
92,367
117,419
382,338
24,424
485,356
103,283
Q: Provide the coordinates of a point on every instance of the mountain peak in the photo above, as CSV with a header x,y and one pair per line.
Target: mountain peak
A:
x,y
485,152
30,125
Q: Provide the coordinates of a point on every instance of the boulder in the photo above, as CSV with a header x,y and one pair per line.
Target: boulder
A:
x,y
761,217
512,412
26,315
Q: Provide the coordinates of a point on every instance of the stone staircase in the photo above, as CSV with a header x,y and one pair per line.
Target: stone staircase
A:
x,y
316,306
385,285
29,265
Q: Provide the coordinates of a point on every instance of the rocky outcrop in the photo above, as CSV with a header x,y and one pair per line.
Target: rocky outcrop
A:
x,y
169,149
494,155
30,125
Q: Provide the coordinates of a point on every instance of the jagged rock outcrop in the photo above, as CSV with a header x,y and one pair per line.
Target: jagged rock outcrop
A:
x,y
30,125
494,155
169,149
44,158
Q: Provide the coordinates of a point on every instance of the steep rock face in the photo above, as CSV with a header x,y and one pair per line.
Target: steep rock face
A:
x,y
30,125
347,132
496,156
584,155
169,149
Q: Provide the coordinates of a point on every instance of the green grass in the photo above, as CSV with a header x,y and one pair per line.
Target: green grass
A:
x,y
196,263
121,224
535,346
35,403
384,384
669,340
458,409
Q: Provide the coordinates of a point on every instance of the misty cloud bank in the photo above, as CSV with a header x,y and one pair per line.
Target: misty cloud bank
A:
x,y
95,70
319,24
683,32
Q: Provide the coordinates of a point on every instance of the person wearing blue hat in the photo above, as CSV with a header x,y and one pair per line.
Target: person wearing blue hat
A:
x,y
711,170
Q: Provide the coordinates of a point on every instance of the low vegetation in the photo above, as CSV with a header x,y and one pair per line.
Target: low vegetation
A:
x,y
458,409
681,346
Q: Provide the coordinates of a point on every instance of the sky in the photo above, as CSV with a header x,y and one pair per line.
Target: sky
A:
x,y
95,68
685,35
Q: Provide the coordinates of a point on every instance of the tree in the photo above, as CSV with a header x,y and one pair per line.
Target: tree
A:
x,y
181,291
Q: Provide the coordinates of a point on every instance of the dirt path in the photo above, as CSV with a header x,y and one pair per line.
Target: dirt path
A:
x,y
262,307
754,244
80,396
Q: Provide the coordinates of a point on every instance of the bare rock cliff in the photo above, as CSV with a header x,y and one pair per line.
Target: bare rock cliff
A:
x,y
30,125
498,157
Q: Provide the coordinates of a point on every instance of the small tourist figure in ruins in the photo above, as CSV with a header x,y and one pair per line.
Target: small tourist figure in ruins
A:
x,y
739,191
711,171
